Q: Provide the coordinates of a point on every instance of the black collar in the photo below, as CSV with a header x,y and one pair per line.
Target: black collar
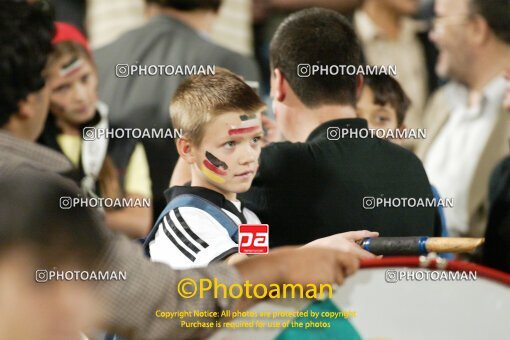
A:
x,y
210,195
321,131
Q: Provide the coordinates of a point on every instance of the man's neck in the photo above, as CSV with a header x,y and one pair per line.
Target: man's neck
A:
x,y
489,66
199,20
313,118
17,130
386,19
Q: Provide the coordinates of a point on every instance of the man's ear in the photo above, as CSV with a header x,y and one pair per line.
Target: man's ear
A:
x,y
278,88
186,150
481,31
359,85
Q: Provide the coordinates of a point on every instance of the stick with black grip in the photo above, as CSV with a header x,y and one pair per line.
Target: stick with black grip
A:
x,y
419,245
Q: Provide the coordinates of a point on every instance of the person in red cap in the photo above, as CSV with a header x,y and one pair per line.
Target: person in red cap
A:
x,y
68,32
114,168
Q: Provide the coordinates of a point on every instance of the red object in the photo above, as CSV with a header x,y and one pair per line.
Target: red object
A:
x,y
68,32
253,238
414,261
214,169
242,130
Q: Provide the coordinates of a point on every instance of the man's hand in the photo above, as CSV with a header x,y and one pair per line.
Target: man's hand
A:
x,y
346,242
314,265
297,265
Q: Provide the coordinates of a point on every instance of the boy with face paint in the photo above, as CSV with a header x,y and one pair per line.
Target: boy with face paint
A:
x,y
220,119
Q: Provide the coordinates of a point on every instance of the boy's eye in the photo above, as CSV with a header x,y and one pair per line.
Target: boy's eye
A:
x,y
230,144
255,140
381,119
85,78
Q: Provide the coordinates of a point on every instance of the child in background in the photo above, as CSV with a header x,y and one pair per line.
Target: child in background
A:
x,y
114,168
384,104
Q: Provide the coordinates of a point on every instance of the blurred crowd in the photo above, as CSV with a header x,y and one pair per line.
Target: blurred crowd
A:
x,y
453,80
450,57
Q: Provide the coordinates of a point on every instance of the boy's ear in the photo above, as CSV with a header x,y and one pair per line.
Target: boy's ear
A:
x,y
185,150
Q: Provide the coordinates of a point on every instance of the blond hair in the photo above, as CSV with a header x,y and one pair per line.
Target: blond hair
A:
x,y
199,99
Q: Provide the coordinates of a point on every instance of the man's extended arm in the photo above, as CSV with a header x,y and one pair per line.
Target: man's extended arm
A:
x,y
131,305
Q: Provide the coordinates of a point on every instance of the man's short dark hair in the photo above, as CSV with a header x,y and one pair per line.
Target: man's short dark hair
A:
x,y
497,15
317,36
189,5
26,30
387,90
32,217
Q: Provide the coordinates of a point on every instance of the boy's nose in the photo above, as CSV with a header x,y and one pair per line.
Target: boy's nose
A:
x,y
80,93
248,155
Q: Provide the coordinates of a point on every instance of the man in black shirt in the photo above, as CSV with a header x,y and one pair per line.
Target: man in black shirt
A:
x,y
319,182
